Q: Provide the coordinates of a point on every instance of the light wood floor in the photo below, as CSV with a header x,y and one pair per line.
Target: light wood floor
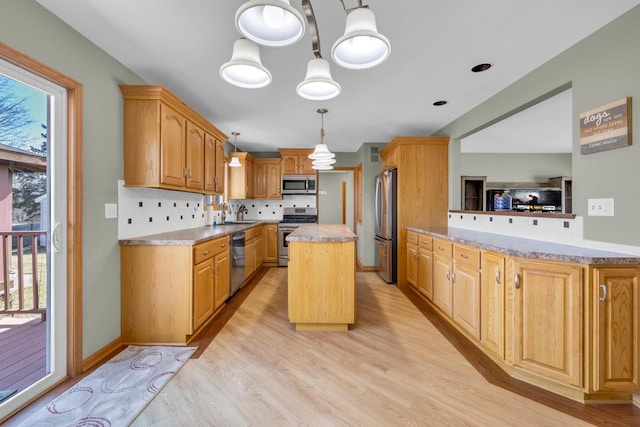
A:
x,y
392,368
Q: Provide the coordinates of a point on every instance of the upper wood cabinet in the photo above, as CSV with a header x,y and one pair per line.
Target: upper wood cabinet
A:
x,y
241,181
266,178
296,161
168,145
213,169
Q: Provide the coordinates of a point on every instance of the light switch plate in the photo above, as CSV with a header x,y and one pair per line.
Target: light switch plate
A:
x,y
600,207
110,210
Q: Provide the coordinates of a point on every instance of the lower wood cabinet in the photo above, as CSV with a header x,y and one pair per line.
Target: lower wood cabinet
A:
x,y
170,292
466,289
615,305
492,313
271,243
547,319
253,250
567,327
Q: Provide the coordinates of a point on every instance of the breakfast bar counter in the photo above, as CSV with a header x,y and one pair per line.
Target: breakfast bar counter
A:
x,y
321,277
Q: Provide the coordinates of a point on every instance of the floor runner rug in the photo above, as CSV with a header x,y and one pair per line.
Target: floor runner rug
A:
x,y
115,393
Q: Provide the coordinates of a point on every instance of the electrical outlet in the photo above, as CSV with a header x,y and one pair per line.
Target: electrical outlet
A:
x,y
110,210
600,207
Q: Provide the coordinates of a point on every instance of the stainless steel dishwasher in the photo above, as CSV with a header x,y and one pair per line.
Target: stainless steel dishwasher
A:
x,y
237,262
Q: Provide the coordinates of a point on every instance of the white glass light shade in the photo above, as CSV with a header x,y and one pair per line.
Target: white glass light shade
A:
x,y
318,84
235,162
361,46
270,22
245,69
323,162
321,151
322,167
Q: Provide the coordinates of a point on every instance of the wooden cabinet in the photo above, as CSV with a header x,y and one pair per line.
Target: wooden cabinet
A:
x,y
213,169
566,327
253,250
170,292
241,179
165,142
547,335
296,161
271,243
412,258
616,320
321,285
203,292
266,178
473,190
492,310
422,190
466,289
442,275
425,266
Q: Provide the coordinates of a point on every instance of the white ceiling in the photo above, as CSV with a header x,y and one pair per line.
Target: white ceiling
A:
x,y
182,44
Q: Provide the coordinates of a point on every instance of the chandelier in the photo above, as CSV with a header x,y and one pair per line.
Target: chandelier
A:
x,y
323,159
276,23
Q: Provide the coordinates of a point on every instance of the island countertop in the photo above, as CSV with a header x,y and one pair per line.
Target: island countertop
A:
x,y
322,233
527,248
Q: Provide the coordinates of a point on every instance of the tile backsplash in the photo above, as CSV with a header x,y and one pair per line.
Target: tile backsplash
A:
x,y
144,211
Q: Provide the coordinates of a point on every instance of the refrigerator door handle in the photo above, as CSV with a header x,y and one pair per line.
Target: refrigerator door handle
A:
x,y
378,202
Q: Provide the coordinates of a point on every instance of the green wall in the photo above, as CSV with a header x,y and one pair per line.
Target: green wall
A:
x,y
514,167
602,68
32,30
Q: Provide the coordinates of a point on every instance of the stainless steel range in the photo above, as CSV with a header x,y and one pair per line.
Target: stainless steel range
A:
x,y
292,218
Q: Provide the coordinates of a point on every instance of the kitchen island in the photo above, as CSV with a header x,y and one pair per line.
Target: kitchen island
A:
x,y
321,277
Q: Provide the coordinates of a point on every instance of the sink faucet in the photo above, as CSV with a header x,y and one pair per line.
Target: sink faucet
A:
x,y
242,209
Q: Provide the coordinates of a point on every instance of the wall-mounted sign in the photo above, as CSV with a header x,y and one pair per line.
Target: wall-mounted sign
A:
x,y
606,127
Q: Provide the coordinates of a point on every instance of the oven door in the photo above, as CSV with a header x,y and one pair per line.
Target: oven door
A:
x,y
283,245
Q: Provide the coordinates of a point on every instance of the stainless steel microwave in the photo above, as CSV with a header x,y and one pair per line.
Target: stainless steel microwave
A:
x,y
299,184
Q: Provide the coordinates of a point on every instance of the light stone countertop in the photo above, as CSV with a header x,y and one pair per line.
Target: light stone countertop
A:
x,y
190,236
527,248
322,233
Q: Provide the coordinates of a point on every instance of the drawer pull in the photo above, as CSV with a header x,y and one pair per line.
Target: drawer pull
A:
x,y
206,252
603,298
424,242
223,245
517,281
440,248
465,256
498,276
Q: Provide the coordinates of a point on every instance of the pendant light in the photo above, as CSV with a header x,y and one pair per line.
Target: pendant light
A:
x,y
361,46
235,161
270,22
321,156
245,68
318,85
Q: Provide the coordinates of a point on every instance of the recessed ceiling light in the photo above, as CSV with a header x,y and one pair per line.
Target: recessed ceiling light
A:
x,y
439,103
481,67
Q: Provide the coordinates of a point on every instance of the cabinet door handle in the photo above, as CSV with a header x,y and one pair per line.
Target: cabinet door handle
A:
x,y
603,298
453,278
184,172
465,256
517,281
498,276
448,275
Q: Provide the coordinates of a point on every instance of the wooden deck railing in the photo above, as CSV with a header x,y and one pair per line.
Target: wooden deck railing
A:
x,y
14,280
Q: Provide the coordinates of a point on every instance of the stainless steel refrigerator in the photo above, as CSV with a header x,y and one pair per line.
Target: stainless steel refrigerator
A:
x,y
386,240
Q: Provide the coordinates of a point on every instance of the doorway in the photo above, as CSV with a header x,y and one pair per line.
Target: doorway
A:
x,y
62,237
336,197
